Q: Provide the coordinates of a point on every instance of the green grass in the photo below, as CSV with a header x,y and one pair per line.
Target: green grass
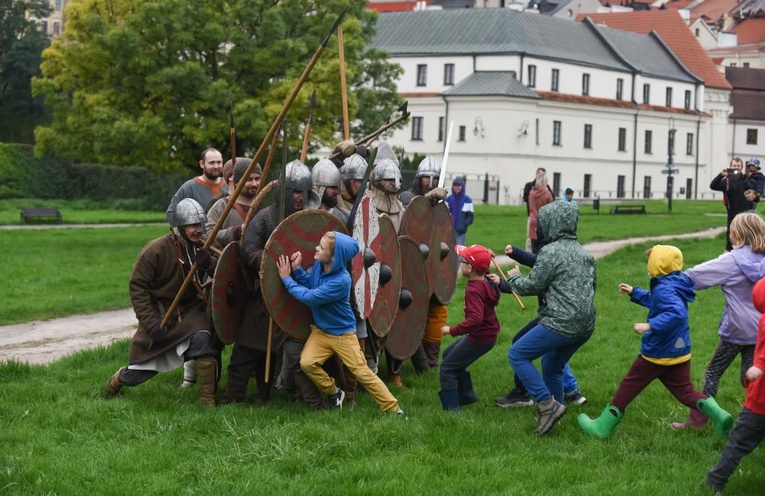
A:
x,y
79,212
58,272
59,437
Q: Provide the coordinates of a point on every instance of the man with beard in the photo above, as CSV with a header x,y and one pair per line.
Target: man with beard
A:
x,y
231,230
326,184
203,187
425,183
250,347
351,175
157,276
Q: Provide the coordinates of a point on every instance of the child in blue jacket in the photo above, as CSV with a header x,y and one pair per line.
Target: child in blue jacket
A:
x,y
327,292
665,352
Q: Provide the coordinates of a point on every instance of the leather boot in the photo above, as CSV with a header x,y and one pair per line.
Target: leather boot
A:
x,y
236,388
113,385
465,389
420,361
207,368
602,426
309,392
432,351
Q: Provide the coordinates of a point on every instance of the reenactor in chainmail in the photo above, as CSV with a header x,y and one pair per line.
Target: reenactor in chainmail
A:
x,y
157,277
351,176
425,183
325,179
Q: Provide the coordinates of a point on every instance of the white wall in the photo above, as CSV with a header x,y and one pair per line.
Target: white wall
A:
x,y
737,132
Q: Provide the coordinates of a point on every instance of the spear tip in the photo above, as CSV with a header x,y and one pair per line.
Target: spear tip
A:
x,y
334,26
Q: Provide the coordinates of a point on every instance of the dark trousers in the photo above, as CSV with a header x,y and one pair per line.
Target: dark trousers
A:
x,y
200,346
244,362
457,357
746,435
676,378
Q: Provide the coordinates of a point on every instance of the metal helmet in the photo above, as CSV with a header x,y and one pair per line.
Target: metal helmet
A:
x,y
324,174
241,167
429,167
297,178
384,151
386,169
353,167
187,212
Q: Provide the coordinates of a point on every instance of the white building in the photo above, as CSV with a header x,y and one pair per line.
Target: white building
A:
x,y
592,105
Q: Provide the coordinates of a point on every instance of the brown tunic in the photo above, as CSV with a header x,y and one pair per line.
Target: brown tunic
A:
x,y
156,279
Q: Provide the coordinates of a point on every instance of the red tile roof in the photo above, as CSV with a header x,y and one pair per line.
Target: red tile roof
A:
x,y
607,102
675,33
750,31
394,6
419,95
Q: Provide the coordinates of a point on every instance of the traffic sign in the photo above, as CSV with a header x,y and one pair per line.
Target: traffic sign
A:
x,y
670,171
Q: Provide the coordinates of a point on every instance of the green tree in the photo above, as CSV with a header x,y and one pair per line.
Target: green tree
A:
x,y
21,46
151,83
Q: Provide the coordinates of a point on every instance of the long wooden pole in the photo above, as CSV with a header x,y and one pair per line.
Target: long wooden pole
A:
x,y
261,149
343,87
517,298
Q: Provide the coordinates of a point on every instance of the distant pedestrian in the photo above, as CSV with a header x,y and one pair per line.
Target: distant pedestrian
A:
x,y
568,195
733,184
756,180
539,196
461,207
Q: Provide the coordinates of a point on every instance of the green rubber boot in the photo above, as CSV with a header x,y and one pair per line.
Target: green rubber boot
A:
x,y
602,426
722,420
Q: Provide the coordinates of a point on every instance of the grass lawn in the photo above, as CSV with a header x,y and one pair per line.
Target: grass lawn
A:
x,y
58,436
76,212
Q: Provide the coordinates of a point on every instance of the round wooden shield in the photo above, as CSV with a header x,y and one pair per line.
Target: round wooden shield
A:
x,y
228,298
386,302
446,278
366,268
408,328
301,232
419,223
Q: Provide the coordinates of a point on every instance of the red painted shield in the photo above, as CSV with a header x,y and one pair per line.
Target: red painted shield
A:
x,y
419,224
301,232
366,268
446,278
386,302
228,298
408,328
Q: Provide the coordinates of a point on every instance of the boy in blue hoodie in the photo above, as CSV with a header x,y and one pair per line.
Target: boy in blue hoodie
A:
x,y
327,292
665,352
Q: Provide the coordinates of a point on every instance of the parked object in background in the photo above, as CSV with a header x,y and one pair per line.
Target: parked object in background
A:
x,y
28,213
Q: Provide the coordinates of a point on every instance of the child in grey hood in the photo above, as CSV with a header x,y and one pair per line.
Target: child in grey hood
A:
x,y
736,272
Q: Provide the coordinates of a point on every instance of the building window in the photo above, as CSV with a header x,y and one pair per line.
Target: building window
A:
x,y
687,99
57,5
448,74
648,141
532,76
585,84
441,122
554,82
746,64
620,186
587,184
422,75
416,128
669,97
556,132
44,26
56,27
646,186
588,135
733,64
556,184
751,136
462,133
697,32
646,93
689,144
619,88
622,139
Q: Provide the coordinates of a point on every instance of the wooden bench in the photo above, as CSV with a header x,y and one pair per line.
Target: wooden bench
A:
x,y
628,209
28,213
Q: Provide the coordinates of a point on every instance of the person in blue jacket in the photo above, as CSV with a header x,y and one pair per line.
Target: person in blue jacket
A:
x,y
461,207
665,351
327,292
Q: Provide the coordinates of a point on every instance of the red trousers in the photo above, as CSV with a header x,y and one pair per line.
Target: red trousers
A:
x,y
676,378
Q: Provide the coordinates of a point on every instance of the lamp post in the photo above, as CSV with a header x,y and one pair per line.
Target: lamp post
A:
x,y
670,153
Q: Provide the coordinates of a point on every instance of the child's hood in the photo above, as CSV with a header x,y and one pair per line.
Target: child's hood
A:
x,y
752,264
461,182
491,292
558,220
346,248
681,283
664,259
758,296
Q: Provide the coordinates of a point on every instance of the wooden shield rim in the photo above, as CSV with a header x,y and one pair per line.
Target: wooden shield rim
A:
x,y
386,303
229,258
446,279
428,234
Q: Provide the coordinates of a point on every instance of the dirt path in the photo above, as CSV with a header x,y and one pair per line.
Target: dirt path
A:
x,y
41,342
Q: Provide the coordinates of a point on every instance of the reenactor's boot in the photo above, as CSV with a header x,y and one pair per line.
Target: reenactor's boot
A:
x,y
113,385
207,368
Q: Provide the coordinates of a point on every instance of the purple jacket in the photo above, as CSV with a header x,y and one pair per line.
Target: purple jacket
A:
x,y
736,273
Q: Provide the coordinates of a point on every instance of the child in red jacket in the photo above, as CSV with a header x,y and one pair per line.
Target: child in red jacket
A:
x,y
749,430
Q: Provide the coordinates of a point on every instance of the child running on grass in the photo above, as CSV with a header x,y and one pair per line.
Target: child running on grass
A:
x,y
749,430
665,352
327,292
480,328
735,272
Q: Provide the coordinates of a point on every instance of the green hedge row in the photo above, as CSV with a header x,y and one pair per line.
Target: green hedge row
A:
x,y
22,175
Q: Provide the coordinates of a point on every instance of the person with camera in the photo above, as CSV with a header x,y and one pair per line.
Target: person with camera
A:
x,y
733,183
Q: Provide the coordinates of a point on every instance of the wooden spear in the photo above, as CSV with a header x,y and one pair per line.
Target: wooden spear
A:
x,y
261,149
307,137
517,298
343,87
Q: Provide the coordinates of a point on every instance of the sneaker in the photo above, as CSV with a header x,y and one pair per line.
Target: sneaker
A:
x,y
550,412
574,398
515,398
402,414
336,399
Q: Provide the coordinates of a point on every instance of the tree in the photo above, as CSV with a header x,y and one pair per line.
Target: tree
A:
x,y
21,45
151,82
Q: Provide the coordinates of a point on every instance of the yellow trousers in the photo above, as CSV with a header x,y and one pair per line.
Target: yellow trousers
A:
x,y
320,346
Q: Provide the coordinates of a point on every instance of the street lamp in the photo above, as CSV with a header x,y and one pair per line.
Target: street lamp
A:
x,y
670,152
478,127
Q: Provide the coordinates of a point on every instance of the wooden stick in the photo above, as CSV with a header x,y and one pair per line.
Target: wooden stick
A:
x,y
256,204
285,107
343,88
268,348
502,274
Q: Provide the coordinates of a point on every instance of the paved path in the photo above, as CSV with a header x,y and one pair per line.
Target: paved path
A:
x,y
81,226
41,342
